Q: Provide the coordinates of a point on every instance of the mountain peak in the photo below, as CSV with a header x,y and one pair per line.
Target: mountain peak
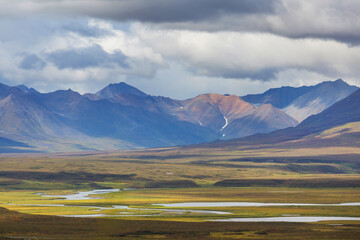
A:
x,y
69,91
6,90
337,83
339,80
23,87
115,90
124,88
65,94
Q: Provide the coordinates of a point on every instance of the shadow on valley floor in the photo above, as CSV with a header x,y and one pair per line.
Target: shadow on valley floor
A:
x,y
296,183
64,176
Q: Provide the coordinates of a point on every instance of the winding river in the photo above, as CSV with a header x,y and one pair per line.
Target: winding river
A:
x,y
169,208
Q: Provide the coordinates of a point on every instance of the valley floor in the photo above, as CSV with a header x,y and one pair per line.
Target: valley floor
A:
x,y
291,182
15,225
32,219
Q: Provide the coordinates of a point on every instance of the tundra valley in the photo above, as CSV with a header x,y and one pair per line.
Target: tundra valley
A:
x,y
179,119
269,185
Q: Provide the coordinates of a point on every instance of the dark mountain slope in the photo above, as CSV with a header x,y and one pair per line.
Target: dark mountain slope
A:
x,y
5,142
23,118
344,111
11,146
278,97
103,118
318,99
26,89
7,90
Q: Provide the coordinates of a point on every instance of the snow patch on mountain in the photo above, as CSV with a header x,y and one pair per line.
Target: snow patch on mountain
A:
x,y
226,123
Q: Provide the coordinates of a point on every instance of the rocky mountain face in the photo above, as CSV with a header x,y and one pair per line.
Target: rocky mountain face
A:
x,y
123,117
303,102
212,110
231,116
263,119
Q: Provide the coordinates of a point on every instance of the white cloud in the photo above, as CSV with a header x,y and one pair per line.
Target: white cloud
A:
x,y
57,41
177,63
325,19
177,82
245,54
333,19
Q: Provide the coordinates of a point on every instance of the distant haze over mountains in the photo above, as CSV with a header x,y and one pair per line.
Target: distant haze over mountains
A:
x,y
123,117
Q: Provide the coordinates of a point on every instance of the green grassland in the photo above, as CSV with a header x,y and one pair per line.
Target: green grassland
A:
x,y
144,198
163,167
14,225
292,172
34,222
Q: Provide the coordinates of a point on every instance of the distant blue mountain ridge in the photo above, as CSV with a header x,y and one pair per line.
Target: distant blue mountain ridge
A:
x,y
123,117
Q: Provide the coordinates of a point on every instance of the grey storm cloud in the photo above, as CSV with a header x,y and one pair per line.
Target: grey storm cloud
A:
x,y
53,43
265,74
184,10
32,61
326,19
93,56
140,10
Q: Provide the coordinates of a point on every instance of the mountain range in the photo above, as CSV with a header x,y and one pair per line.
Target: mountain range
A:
x,y
123,117
305,101
338,125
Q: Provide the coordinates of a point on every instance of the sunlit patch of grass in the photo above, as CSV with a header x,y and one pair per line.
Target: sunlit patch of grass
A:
x,y
42,210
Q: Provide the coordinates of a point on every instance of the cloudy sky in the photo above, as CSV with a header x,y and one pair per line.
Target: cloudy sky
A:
x,y
178,48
